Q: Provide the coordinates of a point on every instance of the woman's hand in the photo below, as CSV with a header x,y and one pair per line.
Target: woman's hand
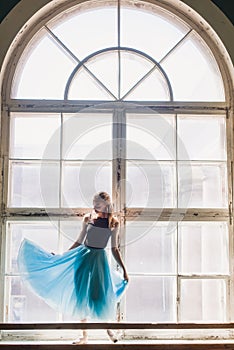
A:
x,y
118,258
126,278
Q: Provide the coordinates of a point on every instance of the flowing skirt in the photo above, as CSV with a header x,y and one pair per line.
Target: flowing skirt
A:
x,y
79,282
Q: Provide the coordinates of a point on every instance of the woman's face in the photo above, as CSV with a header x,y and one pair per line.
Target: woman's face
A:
x,y
100,207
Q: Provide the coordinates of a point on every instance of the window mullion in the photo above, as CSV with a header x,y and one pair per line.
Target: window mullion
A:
x,y
71,54
35,105
119,54
4,188
119,176
176,45
230,285
61,161
119,156
5,157
164,214
3,284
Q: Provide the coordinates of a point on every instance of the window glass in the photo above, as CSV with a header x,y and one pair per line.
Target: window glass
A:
x,y
24,305
82,180
203,248
71,37
69,232
179,271
153,88
157,294
202,185
142,28
133,67
150,184
87,31
87,136
45,234
203,300
105,68
150,247
35,136
201,137
84,86
197,76
34,184
151,136
42,71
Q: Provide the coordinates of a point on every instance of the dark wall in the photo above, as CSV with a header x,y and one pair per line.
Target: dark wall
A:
x,y
6,6
227,6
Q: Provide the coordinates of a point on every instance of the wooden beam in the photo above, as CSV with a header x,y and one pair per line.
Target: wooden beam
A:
x,y
144,326
187,346
69,106
165,214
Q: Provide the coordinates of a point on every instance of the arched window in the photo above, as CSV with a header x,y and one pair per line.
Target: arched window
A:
x,y
126,97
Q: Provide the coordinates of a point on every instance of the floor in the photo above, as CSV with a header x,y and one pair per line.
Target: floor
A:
x,y
54,342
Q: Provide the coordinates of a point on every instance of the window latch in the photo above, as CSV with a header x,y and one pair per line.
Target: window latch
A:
x,y
230,212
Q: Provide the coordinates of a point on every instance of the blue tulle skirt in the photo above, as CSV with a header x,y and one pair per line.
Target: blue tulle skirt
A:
x,y
79,282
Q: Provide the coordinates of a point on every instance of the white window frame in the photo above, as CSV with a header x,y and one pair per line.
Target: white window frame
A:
x,y
13,105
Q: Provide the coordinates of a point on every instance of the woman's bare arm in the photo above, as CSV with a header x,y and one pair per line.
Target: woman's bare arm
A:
x,y
119,260
116,252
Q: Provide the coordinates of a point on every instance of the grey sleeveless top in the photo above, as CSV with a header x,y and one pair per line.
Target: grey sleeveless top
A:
x,y
97,233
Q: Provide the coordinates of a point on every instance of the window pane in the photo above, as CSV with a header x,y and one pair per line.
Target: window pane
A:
x,y
35,136
45,234
203,248
82,180
193,72
85,87
142,28
87,136
151,299
133,68
153,88
87,31
69,231
105,67
201,137
151,136
34,184
202,185
43,70
150,184
150,247
25,306
203,300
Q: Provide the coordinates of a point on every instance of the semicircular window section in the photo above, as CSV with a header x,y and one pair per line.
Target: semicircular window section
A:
x,y
134,52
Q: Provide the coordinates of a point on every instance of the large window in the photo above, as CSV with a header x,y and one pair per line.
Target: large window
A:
x,y
124,97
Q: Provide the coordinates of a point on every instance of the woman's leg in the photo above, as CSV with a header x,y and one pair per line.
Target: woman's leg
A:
x,y
84,338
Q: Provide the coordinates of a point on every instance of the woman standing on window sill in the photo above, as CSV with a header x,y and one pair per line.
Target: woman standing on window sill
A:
x,y
80,282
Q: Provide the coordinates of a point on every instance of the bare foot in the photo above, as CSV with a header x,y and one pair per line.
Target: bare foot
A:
x,y
80,341
113,337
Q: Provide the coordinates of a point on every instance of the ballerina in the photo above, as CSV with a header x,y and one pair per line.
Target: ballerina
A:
x,y
80,282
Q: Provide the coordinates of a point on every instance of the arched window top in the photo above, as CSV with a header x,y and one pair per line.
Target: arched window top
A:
x,y
136,51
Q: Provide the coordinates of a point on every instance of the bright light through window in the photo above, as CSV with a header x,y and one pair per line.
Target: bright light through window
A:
x,y
161,58
128,99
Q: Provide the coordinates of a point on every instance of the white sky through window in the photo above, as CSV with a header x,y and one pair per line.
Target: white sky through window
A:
x,y
189,67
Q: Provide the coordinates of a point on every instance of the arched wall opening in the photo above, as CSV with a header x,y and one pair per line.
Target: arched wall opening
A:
x,y
173,111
